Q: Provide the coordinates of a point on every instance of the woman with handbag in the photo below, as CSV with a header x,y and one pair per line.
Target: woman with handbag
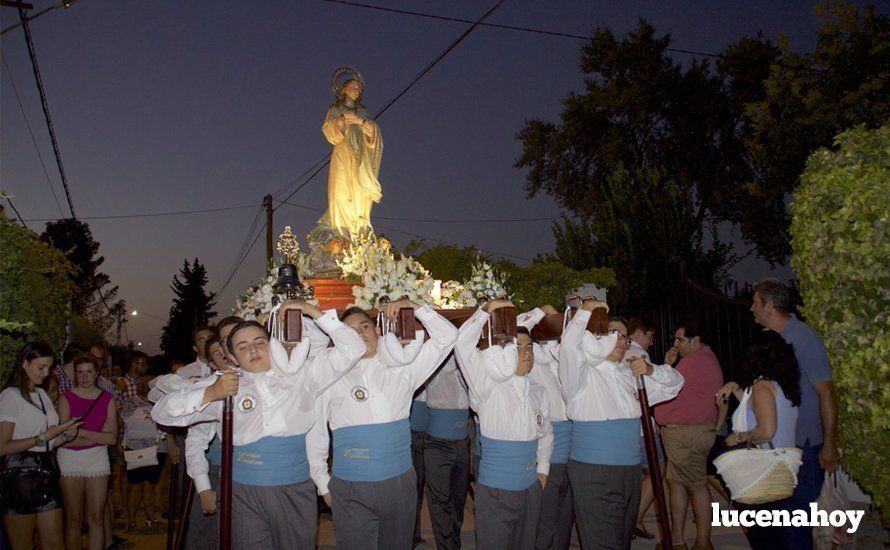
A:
x,y
29,428
145,453
84,461
768,390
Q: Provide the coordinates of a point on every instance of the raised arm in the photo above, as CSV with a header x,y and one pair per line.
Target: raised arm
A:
x,y
442,333
469,358
330,364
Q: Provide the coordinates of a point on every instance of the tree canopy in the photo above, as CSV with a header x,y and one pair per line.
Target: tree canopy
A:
x,y
34,291
192,307
92,299
654,160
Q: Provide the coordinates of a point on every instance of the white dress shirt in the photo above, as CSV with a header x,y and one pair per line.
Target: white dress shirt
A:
x,y
447,389
194,370
510,407
597,389
545,373
270,403
374,393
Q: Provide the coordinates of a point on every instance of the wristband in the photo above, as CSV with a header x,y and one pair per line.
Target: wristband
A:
x,y
40,440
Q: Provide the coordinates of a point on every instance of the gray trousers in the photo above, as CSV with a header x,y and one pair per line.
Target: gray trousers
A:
x,y
418,446
607,499
507,520
280,517
447,480
375,514
203,531
557,511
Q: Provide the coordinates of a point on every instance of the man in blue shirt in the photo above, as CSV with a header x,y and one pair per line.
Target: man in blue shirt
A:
x,y
816,431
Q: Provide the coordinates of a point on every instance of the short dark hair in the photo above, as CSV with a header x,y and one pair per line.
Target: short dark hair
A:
x,y
355,310
132,357
230,320
639,323
692,327
72,352
619,319
207,345
202,328
241,326
523,330
772,290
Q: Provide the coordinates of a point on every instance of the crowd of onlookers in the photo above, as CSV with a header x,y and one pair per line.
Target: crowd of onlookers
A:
x,y
68,422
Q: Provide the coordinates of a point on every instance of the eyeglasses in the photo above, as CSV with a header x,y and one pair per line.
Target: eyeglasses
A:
x,y
621,335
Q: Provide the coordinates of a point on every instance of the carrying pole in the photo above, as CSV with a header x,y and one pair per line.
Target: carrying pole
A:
x,y
664,522
225,477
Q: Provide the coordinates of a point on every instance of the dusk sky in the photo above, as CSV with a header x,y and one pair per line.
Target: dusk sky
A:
x,y
170,106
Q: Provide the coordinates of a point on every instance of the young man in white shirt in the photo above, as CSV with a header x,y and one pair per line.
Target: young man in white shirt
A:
x,y
447,453
557,513
273,499
199,367
601,399
514,427
372,488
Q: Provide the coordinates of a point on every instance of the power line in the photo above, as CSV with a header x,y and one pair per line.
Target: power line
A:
x,y
241,250
62,4
411,84
18,98
439,220
241,261
154,214
542,31
43,103
16,210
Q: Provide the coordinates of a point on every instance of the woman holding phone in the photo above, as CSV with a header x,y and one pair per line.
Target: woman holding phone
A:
x,y
29,429
84,461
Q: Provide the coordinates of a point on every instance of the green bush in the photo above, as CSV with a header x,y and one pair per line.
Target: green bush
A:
x,y
34,292
539,284
841,253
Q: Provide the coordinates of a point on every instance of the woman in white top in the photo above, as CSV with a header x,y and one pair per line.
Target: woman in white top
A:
x,y
29,428
768,389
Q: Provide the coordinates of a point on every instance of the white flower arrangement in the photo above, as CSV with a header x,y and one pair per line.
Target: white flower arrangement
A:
x,y
383,275
261,298
454,295
486,282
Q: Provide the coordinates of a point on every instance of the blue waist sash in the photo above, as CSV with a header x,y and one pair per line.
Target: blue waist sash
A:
x,y
510,465
420,416
562,441
214,452
609,442
271,461
372,452
449,423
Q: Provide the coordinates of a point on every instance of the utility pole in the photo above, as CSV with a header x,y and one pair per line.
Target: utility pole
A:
x,y
267,202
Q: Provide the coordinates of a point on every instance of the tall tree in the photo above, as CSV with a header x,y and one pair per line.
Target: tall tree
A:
x,y
192,307
809,98
92,299
643,159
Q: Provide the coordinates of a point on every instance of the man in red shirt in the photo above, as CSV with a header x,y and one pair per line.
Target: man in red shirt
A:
x,y
688,431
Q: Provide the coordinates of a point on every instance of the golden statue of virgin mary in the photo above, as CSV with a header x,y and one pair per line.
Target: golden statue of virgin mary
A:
x,y
355,161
